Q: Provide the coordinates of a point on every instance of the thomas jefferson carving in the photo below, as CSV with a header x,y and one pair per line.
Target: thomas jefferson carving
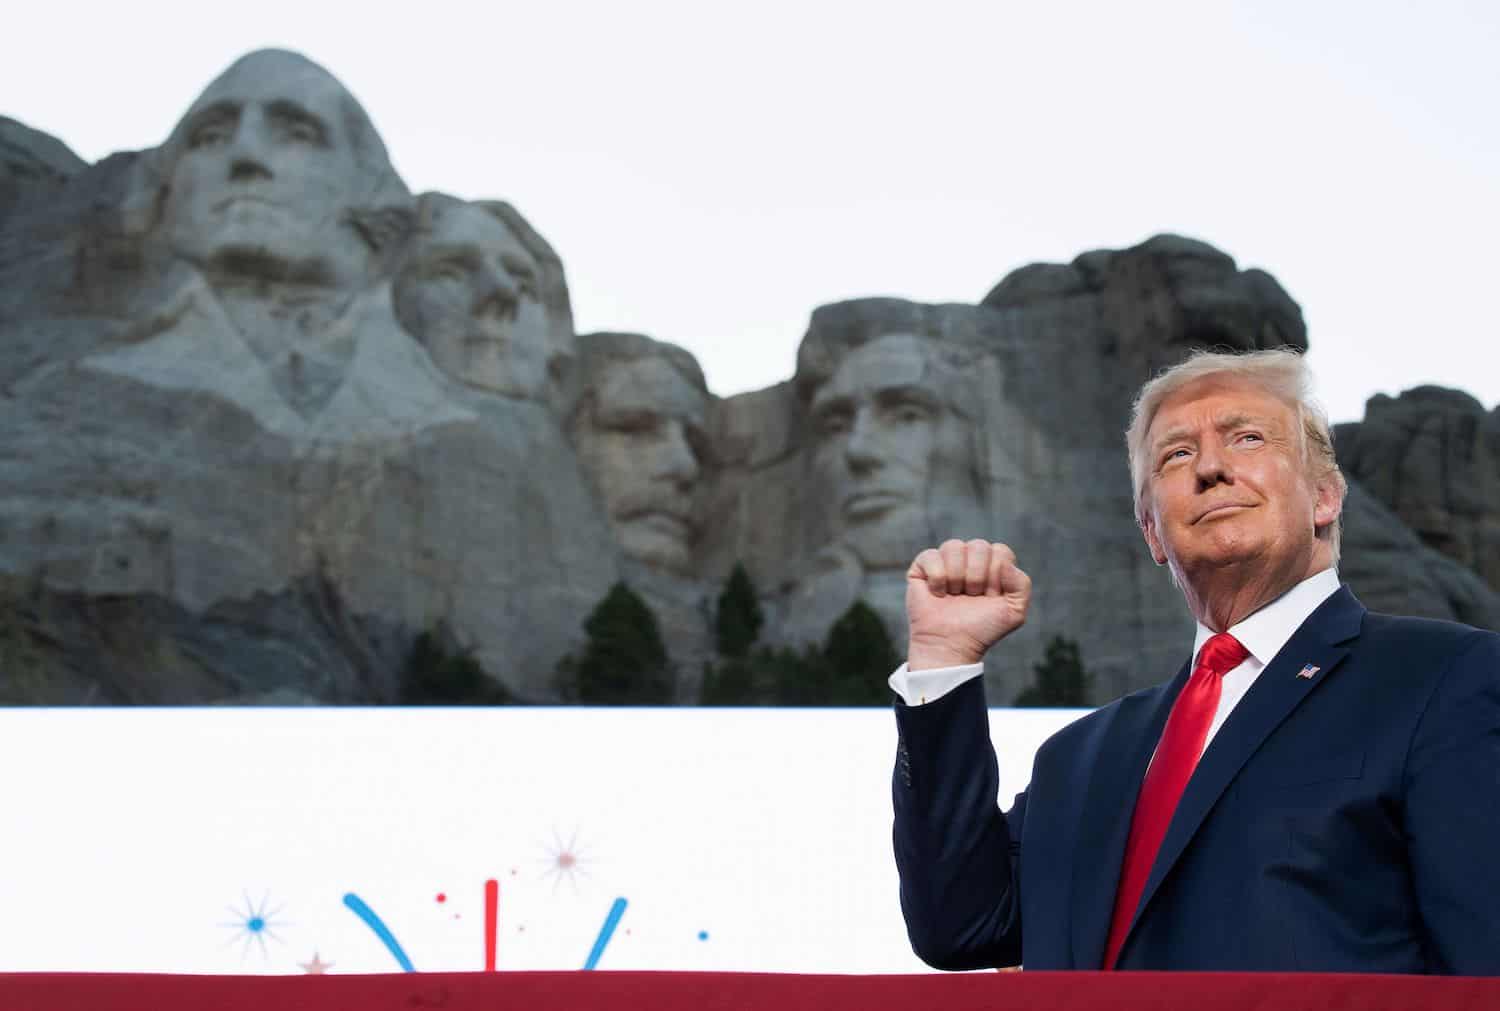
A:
x,y
484,293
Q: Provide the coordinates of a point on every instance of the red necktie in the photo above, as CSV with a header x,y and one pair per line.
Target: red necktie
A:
x,y
1176,756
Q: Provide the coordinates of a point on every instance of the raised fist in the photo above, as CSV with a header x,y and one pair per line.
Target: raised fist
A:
x,y
961,599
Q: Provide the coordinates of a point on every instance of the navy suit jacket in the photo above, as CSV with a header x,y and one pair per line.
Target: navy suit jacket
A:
x,y
1346,822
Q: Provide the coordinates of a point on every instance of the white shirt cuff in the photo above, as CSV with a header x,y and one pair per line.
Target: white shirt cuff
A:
x,y
917,688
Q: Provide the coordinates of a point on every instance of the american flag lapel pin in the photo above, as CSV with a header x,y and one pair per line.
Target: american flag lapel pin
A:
x,y
1308,670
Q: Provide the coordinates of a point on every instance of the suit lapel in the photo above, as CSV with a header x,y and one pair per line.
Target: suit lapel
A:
x,y
1119,766
1276,692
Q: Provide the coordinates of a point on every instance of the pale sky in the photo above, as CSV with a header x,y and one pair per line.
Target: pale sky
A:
x,y
711,172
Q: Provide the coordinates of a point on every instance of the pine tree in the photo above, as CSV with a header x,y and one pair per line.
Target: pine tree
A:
x,y
1061,681
793,678
624,661
435,675
857,658
738,619
729,682
849,669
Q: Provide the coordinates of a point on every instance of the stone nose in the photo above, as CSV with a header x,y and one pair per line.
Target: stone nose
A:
x,y
496,294
676,460
862,450
247,157
242,170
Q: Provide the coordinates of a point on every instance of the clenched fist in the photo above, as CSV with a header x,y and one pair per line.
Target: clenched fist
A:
x,y
961,599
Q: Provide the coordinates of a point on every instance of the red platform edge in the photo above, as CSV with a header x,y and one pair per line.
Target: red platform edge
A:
x,y
688,991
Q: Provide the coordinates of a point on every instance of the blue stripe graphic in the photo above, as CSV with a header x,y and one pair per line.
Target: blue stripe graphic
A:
x,y
383,932
606,932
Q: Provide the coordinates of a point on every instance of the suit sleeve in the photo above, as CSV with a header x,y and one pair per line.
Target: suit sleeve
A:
x,y
957,853
1453,812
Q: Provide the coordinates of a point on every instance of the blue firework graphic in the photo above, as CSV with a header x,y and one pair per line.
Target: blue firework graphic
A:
x,y
253,924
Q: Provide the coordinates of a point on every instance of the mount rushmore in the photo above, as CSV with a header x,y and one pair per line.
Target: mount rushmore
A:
x,y
269,417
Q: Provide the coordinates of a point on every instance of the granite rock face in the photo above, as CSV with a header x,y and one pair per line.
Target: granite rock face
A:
x,y
638,424
1161,300
1391,570
1432,457
270,417
33,165
211,401
300,646
485,294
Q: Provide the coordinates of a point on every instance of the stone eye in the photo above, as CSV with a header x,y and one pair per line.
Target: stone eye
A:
x,y
526,285
635,422
448,270
295,125
834,421
210,134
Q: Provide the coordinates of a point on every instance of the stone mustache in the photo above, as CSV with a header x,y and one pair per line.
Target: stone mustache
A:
x,y
270,416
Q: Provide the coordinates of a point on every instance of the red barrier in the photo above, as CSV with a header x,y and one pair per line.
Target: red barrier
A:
x,y
667,991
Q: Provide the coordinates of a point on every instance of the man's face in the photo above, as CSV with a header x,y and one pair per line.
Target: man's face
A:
x,y
642,441
1228,485
265,170
470,294
891,454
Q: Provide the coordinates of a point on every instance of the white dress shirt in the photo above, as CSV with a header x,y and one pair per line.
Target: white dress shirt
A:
x,y
1263,634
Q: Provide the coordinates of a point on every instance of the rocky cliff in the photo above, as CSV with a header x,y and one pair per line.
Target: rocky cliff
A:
x,y
270,417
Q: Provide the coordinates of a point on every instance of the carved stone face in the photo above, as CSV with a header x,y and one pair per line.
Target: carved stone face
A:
x,y
642,440
891,454
265,170
470,294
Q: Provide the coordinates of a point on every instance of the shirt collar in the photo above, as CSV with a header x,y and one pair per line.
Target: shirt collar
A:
x,y
1267,630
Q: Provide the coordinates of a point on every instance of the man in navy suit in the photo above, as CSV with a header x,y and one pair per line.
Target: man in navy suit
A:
x,y
1317,789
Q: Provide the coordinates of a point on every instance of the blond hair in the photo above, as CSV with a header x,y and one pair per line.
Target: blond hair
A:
x,y
1282,373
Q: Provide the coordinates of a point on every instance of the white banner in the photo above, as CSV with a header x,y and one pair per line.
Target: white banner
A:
x,y
366,840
